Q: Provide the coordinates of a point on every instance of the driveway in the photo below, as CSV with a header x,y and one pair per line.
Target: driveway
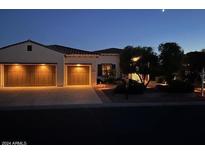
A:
x,y
48,96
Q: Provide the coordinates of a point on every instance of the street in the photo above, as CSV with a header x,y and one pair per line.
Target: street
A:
x,y
105,125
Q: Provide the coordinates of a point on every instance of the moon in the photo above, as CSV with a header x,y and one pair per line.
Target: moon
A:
x,y
163,10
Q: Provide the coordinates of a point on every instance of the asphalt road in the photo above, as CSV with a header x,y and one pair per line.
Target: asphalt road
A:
x,y
105,125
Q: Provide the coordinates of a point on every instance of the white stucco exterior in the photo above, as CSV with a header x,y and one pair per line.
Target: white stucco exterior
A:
x,y
40,54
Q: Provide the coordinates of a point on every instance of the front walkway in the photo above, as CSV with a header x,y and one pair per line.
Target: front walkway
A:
x,y
39,96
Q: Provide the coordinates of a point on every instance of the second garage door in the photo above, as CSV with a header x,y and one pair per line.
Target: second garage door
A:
x,y
29,75
78,75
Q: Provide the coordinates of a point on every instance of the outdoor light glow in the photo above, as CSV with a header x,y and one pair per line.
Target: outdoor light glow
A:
x,y
17,67
78,64
42,67
135,59
79,69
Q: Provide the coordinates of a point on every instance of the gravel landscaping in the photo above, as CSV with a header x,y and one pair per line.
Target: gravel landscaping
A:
x,y
152,97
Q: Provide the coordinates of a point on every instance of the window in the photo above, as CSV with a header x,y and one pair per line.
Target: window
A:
x,y
106,69
29,47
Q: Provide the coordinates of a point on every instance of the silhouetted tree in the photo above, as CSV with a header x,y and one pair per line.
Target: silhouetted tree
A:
x,y
202,50
193,63
147,64
170,57
125,58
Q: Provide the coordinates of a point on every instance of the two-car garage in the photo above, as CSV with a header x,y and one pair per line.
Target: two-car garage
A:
x,y
16,75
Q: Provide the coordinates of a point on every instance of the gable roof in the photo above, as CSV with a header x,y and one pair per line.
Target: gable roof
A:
x,y
68,50
110,51
22,42
57,48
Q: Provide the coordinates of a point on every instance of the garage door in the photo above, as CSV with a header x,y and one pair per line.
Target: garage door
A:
x,y
78,75
29,75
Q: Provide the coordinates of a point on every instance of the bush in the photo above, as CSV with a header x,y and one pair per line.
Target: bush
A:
x,y
134,87
162,88
99,81
159,79
109,80
120,88
179,86
106,80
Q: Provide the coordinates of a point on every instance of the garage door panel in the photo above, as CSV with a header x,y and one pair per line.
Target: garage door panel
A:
x,y
15,76
78,75
29,75
45,75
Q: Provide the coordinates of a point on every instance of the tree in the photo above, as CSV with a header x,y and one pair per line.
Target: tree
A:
x,y
125,58
170,57
193,63
147,63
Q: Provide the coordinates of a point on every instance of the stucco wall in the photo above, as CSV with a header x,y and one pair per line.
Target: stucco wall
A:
x,y
110,58
39,54
85,59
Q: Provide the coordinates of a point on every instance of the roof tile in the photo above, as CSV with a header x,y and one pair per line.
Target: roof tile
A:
x,y
68,50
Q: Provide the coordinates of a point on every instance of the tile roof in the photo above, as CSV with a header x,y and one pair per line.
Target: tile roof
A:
x,y
57,48
68,50
22,42
110,51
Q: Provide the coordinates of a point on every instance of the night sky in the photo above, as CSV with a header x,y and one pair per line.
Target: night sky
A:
x,y
99,29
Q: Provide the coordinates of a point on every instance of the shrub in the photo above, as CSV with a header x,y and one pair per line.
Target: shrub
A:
x,y
133,88
109,80
120,88
162,88
159,79
179,86
99,81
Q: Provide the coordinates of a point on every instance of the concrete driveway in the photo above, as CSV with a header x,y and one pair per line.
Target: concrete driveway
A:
x,y
38,96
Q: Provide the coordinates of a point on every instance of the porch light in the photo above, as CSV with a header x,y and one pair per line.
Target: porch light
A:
x,y
135,59
78,65
43,64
